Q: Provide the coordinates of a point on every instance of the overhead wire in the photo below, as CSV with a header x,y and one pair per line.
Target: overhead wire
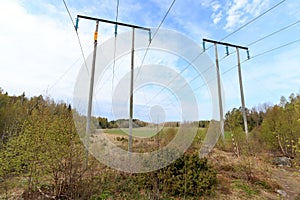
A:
x,y
63,75
275,32
235,31
78,38
155,33
115,47
255,56
115,50
72,65
254,19
269,35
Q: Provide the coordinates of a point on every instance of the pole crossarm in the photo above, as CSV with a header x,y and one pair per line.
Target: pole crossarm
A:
x,y
225,44
113,22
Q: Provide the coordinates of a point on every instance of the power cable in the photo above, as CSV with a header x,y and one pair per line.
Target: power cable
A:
x,y
254,19
57,80
276,48
78,38
155,33
115,50
233,67
271,34
253,57
243,26
115,47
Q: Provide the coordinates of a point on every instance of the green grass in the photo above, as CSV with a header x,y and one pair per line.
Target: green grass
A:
x,y
147,132
136,132
249,190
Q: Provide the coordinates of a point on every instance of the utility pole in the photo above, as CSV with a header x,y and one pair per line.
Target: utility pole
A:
x,y
242,91
89,112
131,95
91,91
219,81
219,93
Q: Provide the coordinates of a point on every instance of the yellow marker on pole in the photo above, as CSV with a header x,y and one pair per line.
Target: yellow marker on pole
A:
x,y
96,36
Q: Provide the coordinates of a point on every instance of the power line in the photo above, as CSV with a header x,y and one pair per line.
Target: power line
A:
x,y
251,21
69,68
164,18
78,38
269,35
233,67
276,48
255,56
155,33
115,47
254,19
243,26
275,32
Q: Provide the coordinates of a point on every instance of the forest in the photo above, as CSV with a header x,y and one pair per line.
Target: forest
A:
x,y
42,156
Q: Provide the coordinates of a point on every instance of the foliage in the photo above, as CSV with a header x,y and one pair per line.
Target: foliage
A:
x,y
187,176
281,127
234,118
46,150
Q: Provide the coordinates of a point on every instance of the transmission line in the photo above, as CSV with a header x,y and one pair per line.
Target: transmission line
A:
x,y
275,32
243,26
69,68
115,47
276,48
269,35
155,33
255,56
78,38
233,67
254,19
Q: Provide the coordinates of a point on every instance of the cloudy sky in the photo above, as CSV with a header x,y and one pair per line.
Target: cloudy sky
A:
x,y
40,53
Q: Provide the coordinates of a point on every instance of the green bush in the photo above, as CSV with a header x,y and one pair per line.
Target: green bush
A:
x,y
187,176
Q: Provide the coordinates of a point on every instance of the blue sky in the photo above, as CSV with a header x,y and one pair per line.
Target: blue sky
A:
x,y
40,52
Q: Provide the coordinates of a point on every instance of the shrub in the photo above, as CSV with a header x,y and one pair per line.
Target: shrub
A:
x,y
187,176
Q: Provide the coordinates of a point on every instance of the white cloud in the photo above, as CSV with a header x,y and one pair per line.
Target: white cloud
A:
x,y
217,17
235,14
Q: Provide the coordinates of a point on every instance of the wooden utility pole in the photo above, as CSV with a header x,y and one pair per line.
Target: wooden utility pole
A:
x,y
92,75
219,81
131,95
91,91
242,91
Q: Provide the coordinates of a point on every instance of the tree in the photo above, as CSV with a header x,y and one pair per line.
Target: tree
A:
x,y
281,126
49,151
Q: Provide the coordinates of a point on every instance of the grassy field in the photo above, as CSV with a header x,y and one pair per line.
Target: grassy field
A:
x,y
143,132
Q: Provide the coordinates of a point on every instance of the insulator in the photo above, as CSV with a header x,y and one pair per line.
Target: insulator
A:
x,y
76,25
116,30
248,54
227,51
203,46
150,39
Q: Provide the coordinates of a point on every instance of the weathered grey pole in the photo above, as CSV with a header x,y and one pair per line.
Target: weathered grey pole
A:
x,y
219,92
90,100
242,92
131,95
219,81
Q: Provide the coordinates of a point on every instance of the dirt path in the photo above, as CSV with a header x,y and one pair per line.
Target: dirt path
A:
x,y
289,180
